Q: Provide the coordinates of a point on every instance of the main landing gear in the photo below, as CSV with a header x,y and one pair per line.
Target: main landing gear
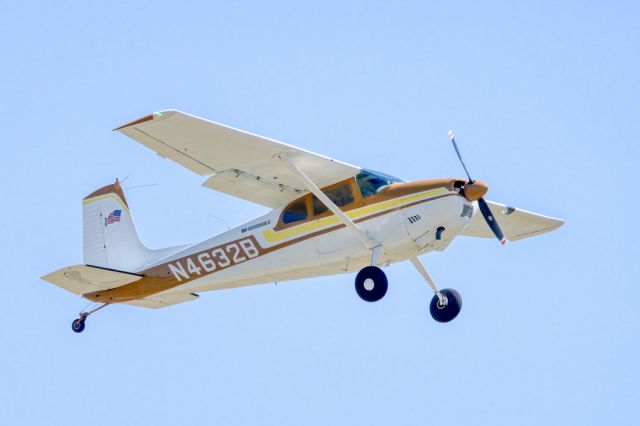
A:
x,y
371,286
78,324
445,312
371,282
445,304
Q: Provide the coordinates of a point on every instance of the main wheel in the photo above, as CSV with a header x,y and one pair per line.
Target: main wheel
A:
x,y
448,311
78,325
371,284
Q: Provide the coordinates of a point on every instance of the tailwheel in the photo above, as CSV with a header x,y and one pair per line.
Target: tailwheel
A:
x,y
371,284
447,307
78,324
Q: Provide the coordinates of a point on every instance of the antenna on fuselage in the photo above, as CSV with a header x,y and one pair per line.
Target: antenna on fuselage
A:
x,y
126,177
220,220
141,186
135,186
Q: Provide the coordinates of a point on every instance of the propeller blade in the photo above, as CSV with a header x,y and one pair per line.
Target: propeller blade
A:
x,y
484,207
455,146
491,221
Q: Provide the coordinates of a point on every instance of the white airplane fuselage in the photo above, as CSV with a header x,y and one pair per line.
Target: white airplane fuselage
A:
x,y
404,228
329,217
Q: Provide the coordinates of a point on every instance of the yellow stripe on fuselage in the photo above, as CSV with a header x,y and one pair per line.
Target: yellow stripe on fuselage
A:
x,y
295,231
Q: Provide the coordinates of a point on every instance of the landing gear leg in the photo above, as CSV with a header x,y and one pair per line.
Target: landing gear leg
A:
x,y
78,324
445,304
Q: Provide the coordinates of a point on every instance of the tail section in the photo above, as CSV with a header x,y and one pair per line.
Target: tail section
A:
x,y
110,238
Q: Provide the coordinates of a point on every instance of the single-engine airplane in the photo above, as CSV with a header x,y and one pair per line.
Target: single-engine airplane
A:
x,y
328,217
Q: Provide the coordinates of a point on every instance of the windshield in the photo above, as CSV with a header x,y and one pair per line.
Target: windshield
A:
x,y
371,182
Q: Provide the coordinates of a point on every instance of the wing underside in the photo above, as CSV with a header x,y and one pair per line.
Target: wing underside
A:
x,y
237,163
516,224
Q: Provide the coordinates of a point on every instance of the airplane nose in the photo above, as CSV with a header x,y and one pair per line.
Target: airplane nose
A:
x,y
476,190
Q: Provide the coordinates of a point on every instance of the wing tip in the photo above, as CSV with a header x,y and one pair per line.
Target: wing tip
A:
x,y
555,223
138,121
155,116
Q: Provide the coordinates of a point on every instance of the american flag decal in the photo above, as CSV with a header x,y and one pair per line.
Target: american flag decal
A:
x,y
113,217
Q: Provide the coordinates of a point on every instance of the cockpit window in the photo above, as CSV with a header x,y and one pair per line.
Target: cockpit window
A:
x,y
340,195
296,211
370,182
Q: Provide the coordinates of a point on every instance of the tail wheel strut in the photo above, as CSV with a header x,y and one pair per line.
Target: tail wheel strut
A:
x,y
78,324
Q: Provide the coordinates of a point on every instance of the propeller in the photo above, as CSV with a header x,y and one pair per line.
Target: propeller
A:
x,y
484,207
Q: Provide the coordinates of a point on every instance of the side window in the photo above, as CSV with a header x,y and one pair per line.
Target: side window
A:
x,y
340,195
296,211
370,184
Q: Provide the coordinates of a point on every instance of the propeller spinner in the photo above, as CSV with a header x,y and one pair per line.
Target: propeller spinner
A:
x,y
477,186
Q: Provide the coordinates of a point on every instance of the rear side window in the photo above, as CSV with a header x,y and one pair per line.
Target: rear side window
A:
x,y
296,211
340,195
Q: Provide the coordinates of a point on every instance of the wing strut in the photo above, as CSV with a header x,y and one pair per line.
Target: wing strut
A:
x,y
308,183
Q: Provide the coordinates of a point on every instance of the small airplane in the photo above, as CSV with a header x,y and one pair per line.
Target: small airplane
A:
x,y
328,217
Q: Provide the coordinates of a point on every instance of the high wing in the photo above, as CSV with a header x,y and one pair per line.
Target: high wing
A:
x,y
516,224
237,163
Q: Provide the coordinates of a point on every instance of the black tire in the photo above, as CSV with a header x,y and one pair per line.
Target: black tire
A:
x,y
450,310
78,325
368,276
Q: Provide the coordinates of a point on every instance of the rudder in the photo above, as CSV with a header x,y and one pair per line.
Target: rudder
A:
x,y
110,238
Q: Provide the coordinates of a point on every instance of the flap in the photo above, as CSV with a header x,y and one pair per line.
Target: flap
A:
x,y
242,164
252,189
516,224
83,279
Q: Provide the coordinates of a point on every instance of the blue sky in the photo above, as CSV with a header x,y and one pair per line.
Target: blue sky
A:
x,y
544,99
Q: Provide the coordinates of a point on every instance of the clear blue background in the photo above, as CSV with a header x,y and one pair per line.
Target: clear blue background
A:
x,y
544,99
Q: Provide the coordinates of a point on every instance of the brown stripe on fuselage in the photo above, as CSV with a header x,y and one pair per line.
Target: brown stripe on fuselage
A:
x,y
160,278
393,191
342,225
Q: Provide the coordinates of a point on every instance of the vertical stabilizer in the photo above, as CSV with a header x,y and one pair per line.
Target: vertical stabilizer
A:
x,y
110,238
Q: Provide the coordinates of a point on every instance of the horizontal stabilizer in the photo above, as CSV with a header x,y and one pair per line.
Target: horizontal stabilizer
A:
x,y
83,279
162,301
516,224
